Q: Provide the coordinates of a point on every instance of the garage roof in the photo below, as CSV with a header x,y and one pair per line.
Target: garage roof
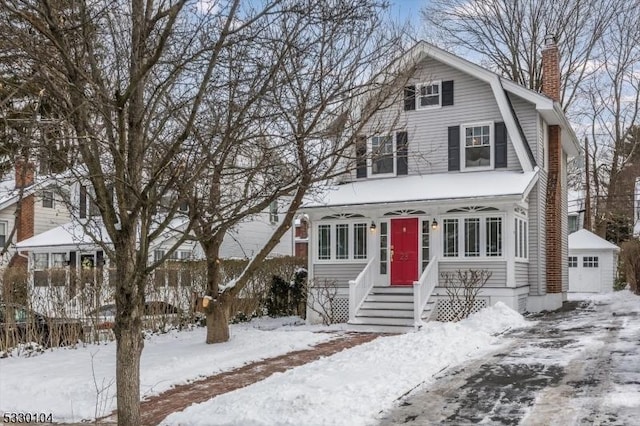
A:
x,y
584,239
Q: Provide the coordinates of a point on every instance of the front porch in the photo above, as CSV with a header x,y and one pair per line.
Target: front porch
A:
x,y
387,264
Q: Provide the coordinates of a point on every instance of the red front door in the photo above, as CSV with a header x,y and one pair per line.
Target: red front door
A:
x,y
404,251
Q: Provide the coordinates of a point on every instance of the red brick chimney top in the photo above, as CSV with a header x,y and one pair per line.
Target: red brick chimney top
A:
x,y
25,171
551,68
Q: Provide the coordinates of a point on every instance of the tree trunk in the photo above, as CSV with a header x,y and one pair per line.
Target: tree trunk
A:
x,y
218,310
129,349
128,331
218,321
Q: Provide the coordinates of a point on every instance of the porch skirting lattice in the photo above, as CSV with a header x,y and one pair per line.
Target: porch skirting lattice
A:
x,y
448,309
340,310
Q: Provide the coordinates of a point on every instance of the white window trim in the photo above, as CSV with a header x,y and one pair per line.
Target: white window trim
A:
x,y
333,240
370,157
429,83
53,199
516,240
6,229
483,237
463,151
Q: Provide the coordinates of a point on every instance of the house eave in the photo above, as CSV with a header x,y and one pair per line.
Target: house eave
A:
x,y
490,199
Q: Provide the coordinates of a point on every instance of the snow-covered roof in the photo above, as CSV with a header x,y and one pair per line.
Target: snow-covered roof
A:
x,y
9,195
441,186
74,235
584,239
70,234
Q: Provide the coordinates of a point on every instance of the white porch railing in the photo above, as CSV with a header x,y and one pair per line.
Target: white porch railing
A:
x,y
423,288
360,288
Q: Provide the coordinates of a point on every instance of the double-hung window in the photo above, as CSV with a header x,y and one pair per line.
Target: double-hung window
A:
x,y
342,241
469,237
428,95
47,199
3,233
521,231
382,155
477,146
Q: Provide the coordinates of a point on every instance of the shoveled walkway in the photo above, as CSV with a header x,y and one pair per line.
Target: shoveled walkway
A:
x,y
156,408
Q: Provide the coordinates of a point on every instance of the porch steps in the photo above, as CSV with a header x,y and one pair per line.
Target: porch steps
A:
x,y
387,310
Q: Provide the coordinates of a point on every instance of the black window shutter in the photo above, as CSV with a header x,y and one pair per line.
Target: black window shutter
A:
x,y
409,98
402,157
99,258
447,93
500,145
72,259
454,148
361,157
83,202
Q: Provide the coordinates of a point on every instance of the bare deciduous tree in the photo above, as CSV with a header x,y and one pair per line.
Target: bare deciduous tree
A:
x,y
508,35
129,80
297,93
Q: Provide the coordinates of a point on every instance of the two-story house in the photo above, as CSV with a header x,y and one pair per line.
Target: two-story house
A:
x,y
469,174
29,205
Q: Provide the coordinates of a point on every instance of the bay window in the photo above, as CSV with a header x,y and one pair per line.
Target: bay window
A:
x,y
521,230
481,236
342,241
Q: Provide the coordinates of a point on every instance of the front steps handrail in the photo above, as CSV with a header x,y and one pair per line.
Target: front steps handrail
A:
x,y
360,288
423,288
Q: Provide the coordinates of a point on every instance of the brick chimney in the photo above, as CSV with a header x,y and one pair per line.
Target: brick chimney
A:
x,y
553,214
25,172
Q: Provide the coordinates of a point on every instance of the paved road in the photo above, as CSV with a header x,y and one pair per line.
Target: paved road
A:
x,y
578,366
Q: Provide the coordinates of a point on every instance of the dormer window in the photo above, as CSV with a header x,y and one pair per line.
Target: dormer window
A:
x,y
429,95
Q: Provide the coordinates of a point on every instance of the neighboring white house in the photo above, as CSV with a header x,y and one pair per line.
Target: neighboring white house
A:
x,y
593,263
468,173
39,207
576,209
63,259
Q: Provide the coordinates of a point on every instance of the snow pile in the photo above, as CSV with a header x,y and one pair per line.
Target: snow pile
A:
x,y
353,386
76,384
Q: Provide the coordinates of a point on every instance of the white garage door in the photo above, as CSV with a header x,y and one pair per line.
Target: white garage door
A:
x,y
584,274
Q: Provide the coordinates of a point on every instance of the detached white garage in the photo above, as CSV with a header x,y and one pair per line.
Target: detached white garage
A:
x,y
592,263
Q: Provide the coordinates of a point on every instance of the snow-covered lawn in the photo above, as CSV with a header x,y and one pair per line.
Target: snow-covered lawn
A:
x,y
353,386
66,382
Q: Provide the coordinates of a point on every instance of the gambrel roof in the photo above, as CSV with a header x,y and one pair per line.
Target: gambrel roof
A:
x,y
549,109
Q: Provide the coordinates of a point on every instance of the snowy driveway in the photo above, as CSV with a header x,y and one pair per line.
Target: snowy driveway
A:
x,y
580,366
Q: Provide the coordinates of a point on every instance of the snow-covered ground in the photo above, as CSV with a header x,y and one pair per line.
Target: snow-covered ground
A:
x,y
77,384
353,386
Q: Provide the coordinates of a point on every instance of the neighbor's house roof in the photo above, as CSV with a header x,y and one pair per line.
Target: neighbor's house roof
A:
x,y
587,240
431,187
74,236
70,235
550,110
9,195
575,201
